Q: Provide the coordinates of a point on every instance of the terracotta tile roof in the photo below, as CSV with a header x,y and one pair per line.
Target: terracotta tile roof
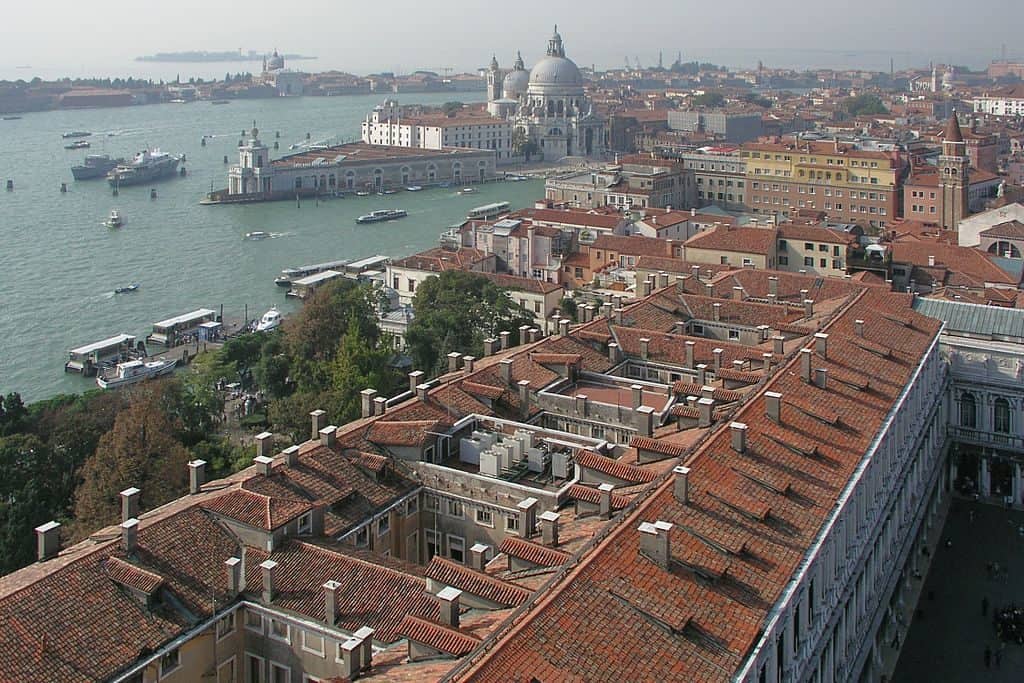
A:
x,y
643,443
746,313
531,552
963,260
370,595
675,266
522,284
793,231
482,585
1012,230
449,640
759,241
591,495
401,433
129,575
635,245
614,468
684,411
556,358
690,389
439,260
704,616
671,348
738,376
573,217
256,509
485,390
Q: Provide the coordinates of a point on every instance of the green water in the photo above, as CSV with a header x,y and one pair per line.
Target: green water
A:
x,y
59,266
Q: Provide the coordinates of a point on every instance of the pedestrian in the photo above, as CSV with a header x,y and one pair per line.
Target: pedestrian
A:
x,y
984,606
988,657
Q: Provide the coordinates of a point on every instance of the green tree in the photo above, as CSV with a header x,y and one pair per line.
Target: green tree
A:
x,y
867,104
456,312
756,100
451,108
290,415
359,365
708,99
141,451
28,497
13,414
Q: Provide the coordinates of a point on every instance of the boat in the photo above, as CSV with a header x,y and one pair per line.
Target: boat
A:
x,y
382,215
147,165
115,220
78,144
468,190
11,118
95,166
289,275
178,100
414,188
220,101
135,371
257,235
387,191
76,134
127,288
488,211
362,193
271,320
516,178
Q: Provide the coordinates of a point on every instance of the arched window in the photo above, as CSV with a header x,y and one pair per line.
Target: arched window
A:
x,y
1001,248
968,410
1001,416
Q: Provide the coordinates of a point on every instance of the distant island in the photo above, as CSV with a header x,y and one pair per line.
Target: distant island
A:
x,y
199,56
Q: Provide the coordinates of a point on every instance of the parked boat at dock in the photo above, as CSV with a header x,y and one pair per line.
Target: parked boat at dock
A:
x,y
271,320
88,359
289,275
95,166
382,215
135,371
148,165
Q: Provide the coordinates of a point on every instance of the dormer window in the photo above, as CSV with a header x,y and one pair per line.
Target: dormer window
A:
x,y
383,525
306,524
363,537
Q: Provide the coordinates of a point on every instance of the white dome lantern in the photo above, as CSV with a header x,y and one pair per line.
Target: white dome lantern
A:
x,y
555,74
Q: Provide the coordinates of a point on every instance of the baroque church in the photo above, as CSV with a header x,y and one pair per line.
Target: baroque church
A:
x,y
547,105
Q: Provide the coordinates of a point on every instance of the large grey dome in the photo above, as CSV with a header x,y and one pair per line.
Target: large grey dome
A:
x,y
555,71
515,83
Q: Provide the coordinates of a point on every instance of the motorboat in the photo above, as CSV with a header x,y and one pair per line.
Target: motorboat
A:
x,y
127,288
147,165
257,235
76,134
78,144
468,190
95,166
135,371
178,100
387,191
382,215
362,193
115,220
516,178
220,101
271,320
414,188
11,118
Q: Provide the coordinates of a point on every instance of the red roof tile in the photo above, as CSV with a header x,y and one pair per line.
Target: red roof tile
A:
x,y
591,495
642,443
534,553
614,468
449,640
129,575
482,585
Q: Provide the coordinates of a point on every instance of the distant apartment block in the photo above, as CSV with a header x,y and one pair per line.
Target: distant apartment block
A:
x,y
732,126
466,129
1004,102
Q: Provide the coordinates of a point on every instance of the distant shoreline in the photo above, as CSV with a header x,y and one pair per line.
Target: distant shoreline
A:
x,y
202,57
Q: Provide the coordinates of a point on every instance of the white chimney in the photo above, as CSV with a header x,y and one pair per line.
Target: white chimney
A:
x,y
269,568
605,500
645,348
129,503
805,365
821,378
264,443
291,455
717,312
331,602
682,484
773,406
738,431
415,379
549,528
448,602
858,327
421,392
366,397
690,347
129,536
453,361
47,541
931,261
380,405
319,421
233,569
196,476
821,344
524,397
478,556
505,370
524,335
655,542
527,516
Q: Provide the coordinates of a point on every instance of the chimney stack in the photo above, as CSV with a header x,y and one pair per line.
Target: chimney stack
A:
x,y
331,602
637,393
291,456
821,378
695,271
858,327
773,406
549,528
365,635
448,602
581,405
681,487
563,327
805,365
718,353
738,431
931,261
704,406
709,289
505,337
654,542
645,348
702,374
478,556
129,536
618,315
233,569
779,345
717,312
527,516
606,310
821,344
605,500
535,333
129,503
319,421
773,285
662,279
453,361
645,288
263,464
524,334
421,392
645,421
505,370
269,568
737,293
380,405
468,363
366,397
264,444
808,308
350,658
327,435
415,379
614,355
490,346
196,476
690,347
524,397
47,541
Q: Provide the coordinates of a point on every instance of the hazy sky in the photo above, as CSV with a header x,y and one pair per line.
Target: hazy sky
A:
x,y
410,34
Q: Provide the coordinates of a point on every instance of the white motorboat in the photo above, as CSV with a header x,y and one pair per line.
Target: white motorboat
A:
x,y
468,190
257,235
414,188
115,220
135,371
271,320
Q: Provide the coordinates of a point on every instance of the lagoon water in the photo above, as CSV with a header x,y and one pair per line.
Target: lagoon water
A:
x,y
59,265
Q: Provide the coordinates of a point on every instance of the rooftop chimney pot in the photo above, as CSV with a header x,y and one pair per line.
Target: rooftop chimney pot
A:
x,y
196,476
448,602
47,541
681,488
739,437
129,503
129,536
264,443
773,406
269,569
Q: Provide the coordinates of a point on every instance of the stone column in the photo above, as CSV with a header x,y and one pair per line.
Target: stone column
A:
x,y
984,477
1016,484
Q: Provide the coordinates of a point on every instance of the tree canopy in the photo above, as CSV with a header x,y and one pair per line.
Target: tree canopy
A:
x,y
456,312
864,105
708,99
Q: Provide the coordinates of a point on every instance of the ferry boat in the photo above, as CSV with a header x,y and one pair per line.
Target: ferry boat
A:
x,y
382,215
78,144
76,134
115,220
147,165
271,320
289,275
135,371
95,166
488,211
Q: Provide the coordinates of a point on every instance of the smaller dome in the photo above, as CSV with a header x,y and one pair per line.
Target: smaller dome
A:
x,y
276,61
515,83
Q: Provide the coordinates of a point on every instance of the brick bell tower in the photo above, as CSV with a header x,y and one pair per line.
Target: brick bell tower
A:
x,y
954,175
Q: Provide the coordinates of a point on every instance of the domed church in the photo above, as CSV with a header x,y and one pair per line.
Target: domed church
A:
x,y
547,105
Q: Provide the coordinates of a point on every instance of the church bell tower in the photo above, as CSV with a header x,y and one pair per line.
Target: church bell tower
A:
x,y
954,175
